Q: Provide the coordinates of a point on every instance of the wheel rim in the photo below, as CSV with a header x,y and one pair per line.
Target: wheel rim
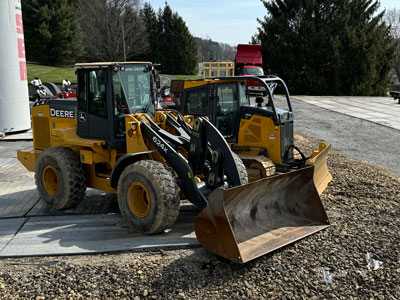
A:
x,y
51,180
138,198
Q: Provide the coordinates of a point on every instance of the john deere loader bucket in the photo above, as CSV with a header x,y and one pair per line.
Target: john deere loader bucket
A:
x,y
248,221
322,176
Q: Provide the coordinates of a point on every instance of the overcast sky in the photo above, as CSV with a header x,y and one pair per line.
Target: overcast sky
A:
x,y
226,21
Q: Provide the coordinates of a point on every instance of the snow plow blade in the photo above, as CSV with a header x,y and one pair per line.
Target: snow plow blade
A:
x,y
322,176
248,221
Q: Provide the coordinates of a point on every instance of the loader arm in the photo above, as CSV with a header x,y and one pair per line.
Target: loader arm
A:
x,y
205,135
205,142
186,178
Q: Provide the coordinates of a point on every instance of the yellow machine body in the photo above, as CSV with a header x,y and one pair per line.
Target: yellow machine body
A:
x,y
255,134
239,223
50,132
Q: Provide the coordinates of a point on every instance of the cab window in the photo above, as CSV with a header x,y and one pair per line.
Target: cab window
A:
x,y
253,71
197,102
227,109
82,91
243,93
97,94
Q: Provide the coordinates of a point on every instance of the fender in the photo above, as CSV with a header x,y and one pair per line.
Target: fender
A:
x,y
123,162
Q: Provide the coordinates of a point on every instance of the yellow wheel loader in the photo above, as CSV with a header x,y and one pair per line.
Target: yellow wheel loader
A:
x,y
112,139
261,134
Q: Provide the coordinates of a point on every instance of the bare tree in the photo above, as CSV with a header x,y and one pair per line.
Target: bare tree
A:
x,y
392,18
113,29
209,50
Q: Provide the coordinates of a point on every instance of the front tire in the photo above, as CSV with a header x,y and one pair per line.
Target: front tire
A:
x,y
60,178
148,197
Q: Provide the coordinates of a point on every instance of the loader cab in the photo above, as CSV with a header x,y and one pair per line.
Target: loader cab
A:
x,y
226,102
106,93
220,100
229,97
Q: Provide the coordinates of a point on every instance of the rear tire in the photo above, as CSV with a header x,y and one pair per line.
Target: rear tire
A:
x,y
241,168
148,197
60,178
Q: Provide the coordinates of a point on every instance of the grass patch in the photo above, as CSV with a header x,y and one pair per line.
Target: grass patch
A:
x,y
50,74
57,74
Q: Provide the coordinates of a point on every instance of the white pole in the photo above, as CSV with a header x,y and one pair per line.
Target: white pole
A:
x,y
14,99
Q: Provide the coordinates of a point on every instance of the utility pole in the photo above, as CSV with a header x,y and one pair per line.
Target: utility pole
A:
x,y
123,38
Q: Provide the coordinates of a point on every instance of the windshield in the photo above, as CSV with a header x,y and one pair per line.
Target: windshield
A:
x,y
132,92
253,71
243,94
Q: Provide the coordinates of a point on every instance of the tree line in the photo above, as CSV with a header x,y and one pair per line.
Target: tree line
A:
x,y
319,47
62,32
328,47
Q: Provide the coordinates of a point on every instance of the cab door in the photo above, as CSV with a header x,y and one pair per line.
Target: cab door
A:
x,y
226,115
92,114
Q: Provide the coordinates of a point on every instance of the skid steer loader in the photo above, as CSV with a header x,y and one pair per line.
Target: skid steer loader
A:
x,y
113,139
261,134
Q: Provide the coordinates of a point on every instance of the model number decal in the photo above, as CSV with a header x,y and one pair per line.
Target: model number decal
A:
x,y
60,113
160,144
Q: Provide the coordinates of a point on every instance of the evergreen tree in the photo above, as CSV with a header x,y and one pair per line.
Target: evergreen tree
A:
x,y
181,55
52,34
331,47
171,43
153,31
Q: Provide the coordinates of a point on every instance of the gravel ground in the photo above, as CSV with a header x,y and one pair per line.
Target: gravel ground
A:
x,y
362,203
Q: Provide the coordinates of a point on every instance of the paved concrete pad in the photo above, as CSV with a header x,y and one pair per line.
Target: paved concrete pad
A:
x,y
95,202
94,226
8,228
91,234
380,110
355,137
17,199
17,188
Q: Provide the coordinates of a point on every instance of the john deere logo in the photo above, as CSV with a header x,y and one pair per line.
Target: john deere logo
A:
x,y
82,117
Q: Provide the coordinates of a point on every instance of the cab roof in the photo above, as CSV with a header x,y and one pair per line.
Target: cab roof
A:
x,y
178,85
107,64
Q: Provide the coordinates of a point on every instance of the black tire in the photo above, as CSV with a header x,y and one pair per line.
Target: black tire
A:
x,y
63,162
242,169
160,208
